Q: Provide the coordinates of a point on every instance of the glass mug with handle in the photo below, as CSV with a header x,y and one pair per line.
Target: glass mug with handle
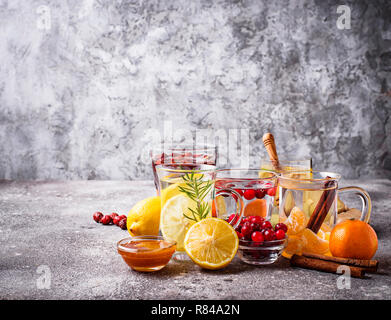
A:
x,y
186,198
254,193
309,206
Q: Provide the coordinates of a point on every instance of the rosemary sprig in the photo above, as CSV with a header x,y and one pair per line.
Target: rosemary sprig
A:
x,y
196,189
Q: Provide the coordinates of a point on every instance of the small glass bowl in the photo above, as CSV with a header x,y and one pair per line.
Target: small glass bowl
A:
x,y
261,254
146,253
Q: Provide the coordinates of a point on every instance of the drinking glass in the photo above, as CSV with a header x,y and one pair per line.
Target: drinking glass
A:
x,y
288,165
182,156
285,165
186,198
315,194
243,190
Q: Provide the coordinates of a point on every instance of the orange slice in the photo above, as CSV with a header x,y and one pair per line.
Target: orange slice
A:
x,y
257,207
296,222
314,244
295,246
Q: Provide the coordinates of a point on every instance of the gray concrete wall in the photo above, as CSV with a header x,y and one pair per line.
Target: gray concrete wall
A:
x,y
82,83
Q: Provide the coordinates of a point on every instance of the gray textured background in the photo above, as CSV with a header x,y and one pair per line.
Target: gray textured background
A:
x,y
78,99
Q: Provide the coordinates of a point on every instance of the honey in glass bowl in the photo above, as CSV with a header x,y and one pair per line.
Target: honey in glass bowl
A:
x,y
146,253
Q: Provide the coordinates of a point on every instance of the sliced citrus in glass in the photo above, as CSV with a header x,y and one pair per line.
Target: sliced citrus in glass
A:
x,y
173,223
314,244
256,207
296,222
172,190
211,243
218,207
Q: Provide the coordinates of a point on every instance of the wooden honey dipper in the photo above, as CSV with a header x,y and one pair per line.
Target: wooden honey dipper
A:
x,y
270,145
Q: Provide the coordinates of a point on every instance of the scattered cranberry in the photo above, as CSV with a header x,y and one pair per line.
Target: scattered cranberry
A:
x,y
122,216
106,219
113,215
280,234
97,216
281,226
257,236
122,224
272,191
260,193
116,220
269,235
266,225
249,194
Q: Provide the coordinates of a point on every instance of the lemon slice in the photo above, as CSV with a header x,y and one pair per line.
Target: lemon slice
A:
x,y
211,243
173,224
171,191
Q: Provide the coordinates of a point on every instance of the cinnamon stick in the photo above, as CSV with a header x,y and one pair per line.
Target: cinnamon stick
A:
x,y
368,265
322,208
325,266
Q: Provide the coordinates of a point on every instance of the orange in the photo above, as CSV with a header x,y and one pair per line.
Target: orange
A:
x,y
296,222
353,239
257,207
313,243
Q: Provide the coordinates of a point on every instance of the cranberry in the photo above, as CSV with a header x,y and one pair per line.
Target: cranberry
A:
x,y
246,229
239,191
239,234
249,194
281,226
280,234
266,225
97,216
257,219
255,226
272,191
122,216
245,219
116,220
260,193
238,228
269,235
233,218
106,219
257,236
247,223
113,215
122,224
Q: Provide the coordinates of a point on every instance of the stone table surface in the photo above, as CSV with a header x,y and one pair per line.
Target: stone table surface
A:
x,y
47,232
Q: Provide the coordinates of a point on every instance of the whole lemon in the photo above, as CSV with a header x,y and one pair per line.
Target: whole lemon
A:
x,y
144,217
